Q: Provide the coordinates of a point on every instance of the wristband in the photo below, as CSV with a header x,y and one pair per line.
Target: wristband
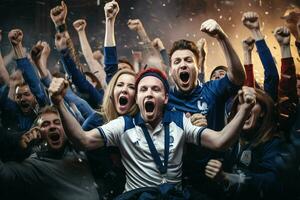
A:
x,y
61,28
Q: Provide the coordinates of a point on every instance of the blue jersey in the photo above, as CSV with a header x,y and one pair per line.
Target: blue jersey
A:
x,y
207,98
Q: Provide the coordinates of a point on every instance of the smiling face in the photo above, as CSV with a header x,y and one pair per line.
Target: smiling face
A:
x,y
151,99
25,99
52,130
184,70
124,93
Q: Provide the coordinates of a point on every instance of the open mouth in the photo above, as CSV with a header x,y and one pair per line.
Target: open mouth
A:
x,y
123,101
149,106
25,105
184,76
54,137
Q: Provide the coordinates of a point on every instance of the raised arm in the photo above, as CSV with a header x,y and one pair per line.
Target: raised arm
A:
x,y
136,25
235,73
86,140
94,96
287,91
229,134
4,76
288,81
248,45
58,15
159,46
292,22
251,21
202,46
111,10
95,67
29,74
39,54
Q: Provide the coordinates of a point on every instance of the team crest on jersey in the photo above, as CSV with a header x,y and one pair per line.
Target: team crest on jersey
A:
x,y
173,109
202,106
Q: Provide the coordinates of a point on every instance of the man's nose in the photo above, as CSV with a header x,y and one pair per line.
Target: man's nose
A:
x,y
183,66
124,89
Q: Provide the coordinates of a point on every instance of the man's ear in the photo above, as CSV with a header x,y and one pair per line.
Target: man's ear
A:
x,y
166,98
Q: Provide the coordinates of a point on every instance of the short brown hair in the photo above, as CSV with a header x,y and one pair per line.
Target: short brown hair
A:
x,y
185,45
44,110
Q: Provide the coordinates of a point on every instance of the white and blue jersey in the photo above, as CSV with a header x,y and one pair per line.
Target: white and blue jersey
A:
x,y
141,171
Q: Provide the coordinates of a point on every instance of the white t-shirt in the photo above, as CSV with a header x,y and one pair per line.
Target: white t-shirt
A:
x,y
141,170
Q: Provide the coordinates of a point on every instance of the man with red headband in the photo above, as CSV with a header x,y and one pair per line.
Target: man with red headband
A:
x,y
151,142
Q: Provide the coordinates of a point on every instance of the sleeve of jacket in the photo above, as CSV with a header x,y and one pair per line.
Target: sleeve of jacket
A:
x,y
249,76
93,96
31,78
110,62
271,78
265,179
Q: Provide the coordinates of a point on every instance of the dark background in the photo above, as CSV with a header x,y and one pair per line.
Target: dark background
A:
x,y
168,19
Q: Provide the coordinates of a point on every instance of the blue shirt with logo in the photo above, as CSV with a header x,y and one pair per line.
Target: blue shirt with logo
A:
x,y
207,98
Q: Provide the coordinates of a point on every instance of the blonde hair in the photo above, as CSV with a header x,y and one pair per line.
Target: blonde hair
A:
x,y
108,109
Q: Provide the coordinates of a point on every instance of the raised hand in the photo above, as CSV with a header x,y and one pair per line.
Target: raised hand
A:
x,y
202,46
135,24
213,170
15,37
60,41
31,135
248,44
58,14
111,9
79,25
40,50
157,44
57,90
251,20
247,98
213,29
282,35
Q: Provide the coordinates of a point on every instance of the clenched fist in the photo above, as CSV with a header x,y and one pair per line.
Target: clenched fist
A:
x,y
57,90
157,44
40,50
282,35
111,9
251,20
79,25
202,46
198,119
31,135
247,98
213,170
58,14
135,24
248,44
15,36
213,29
